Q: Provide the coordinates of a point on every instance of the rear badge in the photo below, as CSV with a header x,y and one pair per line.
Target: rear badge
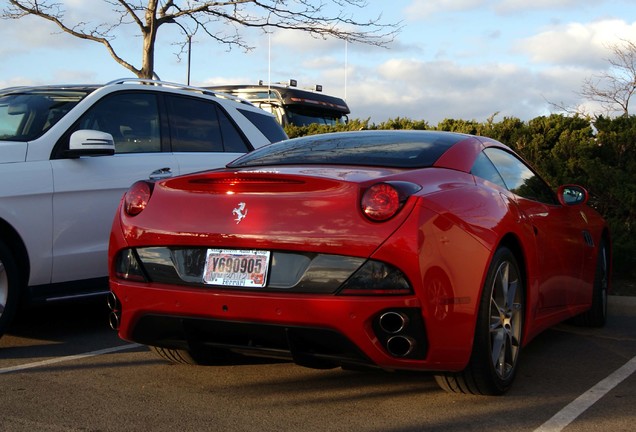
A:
x,y
240,212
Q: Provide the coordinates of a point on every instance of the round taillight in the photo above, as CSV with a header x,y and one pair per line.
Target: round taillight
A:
x,y
137,197
380,202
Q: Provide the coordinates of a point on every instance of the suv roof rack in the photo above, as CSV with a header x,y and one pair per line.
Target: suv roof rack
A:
x,y
179,87
13,89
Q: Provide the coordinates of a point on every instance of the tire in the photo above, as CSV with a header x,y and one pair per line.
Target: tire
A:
x,y
199,356
174,355
9,287
596,316
493,363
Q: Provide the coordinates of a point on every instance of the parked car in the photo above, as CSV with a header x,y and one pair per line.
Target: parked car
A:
x,y
67,155
415,250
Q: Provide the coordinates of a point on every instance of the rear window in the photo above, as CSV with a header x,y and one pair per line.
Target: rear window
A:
x,y
25,116
266,124
396,149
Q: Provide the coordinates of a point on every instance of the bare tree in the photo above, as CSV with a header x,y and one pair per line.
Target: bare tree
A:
x,y
214,18
614,88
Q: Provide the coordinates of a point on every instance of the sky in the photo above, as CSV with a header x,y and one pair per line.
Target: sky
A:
x,y
457,59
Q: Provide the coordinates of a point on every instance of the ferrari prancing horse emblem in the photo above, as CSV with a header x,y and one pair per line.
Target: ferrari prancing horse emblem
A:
x,y
240,212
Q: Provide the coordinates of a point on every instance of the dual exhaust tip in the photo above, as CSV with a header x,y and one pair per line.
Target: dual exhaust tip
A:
x,y
114,318
394,324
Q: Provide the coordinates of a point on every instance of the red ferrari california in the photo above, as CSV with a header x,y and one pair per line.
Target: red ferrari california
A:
x,y
399,250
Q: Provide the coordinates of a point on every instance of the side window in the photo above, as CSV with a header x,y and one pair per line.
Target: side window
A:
x,y
520,179
200,126
131,118
484,168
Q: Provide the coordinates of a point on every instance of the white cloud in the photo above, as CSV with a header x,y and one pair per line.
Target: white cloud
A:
x,y
324,62
223,80
283,41
32,33
433,91
419,9
577,43
515,6
36,37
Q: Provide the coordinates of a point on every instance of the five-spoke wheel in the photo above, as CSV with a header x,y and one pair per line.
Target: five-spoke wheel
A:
x,y
493,362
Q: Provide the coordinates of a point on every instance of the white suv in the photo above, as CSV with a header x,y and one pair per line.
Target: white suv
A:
x,y
68,153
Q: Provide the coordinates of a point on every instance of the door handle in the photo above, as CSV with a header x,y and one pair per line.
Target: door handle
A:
x,y
161,173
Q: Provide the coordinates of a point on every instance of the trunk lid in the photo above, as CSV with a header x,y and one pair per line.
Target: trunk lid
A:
x,y
289,208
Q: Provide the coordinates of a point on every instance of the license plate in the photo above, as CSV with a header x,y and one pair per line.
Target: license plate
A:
x,y
241,268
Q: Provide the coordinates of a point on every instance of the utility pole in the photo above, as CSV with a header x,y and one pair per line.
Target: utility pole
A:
x,y
189,36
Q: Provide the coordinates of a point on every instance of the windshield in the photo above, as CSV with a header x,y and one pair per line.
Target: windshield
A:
x,y
26,115
303,117
396,149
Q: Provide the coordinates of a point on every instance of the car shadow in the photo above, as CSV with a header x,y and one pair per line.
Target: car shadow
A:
x,y
58,319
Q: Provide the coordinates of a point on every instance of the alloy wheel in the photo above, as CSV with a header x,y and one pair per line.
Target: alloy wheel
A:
x,y
506,319
4,288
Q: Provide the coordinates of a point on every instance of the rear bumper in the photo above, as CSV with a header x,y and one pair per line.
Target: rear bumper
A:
x,y
312,330
307,346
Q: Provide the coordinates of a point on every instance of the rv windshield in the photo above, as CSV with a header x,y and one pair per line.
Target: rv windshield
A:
x,y
303,117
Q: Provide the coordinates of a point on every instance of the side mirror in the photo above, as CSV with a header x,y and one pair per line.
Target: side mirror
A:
x,y
570,195
86,142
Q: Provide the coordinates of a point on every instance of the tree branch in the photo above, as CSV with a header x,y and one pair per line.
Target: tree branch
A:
x,y
148,16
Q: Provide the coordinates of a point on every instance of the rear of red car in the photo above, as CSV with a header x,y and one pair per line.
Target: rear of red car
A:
x,y
418,250
326,265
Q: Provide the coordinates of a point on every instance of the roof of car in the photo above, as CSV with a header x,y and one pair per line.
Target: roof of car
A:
x,y
45,88
145,82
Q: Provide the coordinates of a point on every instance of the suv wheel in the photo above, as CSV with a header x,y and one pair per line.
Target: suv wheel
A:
x,y
9,282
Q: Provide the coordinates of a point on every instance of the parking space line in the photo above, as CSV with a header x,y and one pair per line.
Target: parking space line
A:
x,y
67,358
577,407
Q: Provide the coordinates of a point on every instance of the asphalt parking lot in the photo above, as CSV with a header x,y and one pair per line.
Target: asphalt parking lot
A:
x,y
63,369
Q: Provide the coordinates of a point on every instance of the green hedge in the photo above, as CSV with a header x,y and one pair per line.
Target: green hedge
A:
x,y
599,155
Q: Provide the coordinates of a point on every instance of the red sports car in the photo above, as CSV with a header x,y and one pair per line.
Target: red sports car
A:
x,y
414,250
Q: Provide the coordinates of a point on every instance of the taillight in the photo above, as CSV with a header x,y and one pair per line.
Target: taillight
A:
x,y
127,266
376,278
137,197
382,201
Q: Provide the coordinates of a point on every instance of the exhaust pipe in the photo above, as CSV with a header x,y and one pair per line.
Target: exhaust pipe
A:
x,y
113,302
393,322
400,346
114,318
401,332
